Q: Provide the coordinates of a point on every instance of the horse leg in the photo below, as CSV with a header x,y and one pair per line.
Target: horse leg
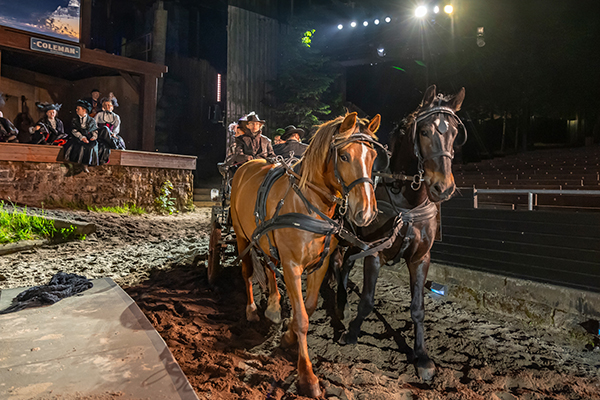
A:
x,y
341,274
418,274
273,311
247,271
367,299
308,384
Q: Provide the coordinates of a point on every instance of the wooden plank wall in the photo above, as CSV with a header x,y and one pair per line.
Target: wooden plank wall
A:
x,y
561,248
251,62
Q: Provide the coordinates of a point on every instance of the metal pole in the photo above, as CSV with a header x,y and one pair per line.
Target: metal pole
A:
x,y
530,201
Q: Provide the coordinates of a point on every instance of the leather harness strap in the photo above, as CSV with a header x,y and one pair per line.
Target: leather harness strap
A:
x,y
324,226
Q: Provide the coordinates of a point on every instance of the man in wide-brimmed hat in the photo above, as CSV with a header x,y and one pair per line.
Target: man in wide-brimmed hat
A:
x,y
82,147
252,144
292,147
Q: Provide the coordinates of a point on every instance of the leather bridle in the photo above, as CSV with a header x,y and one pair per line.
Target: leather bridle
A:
x,y
441,129
365,140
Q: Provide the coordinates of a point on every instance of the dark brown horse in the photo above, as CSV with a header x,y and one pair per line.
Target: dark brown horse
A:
x,y
338,160
421,175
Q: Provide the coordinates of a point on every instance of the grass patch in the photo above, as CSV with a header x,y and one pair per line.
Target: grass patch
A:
x,y
126,209
16,225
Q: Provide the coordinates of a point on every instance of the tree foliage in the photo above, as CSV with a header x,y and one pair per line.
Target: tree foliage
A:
x,y
305,86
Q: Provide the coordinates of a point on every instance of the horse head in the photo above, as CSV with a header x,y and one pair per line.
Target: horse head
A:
x,y
436,130
342,152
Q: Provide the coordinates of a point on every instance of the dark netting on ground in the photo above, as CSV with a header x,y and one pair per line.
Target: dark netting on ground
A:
x,y
62,285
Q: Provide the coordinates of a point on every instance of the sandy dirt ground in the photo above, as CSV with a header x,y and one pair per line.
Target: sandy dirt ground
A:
x,y
160,261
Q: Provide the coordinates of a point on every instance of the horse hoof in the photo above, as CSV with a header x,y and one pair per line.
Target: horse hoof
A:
x,y
274,316
348,338
309,390
426,373
251,314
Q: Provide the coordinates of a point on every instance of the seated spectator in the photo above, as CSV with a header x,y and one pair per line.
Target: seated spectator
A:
x,y
109,127
94,101
82,146
8,132
112,98
277,140
49,129
291,147
251,144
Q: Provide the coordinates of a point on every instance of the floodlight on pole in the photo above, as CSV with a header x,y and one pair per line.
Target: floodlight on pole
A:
x,y
448,9
353,24
376,22
340,27
420,11
388,20
365,23
436,9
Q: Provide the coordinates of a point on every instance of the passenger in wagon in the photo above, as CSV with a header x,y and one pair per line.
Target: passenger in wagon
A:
x,y
49,129
251,144
291,147
109,127
82,146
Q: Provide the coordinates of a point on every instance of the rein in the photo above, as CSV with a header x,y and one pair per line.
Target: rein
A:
x,y
325,226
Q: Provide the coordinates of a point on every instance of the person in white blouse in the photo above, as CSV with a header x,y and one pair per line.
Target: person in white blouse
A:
x,y
109,125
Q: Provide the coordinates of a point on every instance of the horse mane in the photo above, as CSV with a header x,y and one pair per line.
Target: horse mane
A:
x,y
317,152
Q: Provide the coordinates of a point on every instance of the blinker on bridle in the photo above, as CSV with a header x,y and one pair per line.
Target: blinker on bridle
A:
x,y
334,148
440,128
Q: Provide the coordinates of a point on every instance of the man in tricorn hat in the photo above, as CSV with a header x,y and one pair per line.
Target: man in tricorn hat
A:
x,y
291,146
251,145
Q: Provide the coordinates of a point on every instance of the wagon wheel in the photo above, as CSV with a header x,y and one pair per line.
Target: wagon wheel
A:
x,y
214,253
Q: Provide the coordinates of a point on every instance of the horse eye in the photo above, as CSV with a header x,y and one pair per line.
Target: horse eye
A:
x,y
423,132
344,157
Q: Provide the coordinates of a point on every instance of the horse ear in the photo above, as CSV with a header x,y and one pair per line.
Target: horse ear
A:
x,y
348,122
457,100
375,122
428,96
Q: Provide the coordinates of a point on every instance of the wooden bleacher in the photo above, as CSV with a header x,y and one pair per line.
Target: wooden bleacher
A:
x,y
555,169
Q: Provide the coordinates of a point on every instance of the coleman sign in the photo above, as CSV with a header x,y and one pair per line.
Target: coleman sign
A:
x,y
61,49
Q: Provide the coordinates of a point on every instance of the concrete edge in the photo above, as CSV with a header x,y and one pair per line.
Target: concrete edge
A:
x,y
539,303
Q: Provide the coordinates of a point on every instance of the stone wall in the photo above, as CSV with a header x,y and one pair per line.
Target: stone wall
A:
x,y
50,184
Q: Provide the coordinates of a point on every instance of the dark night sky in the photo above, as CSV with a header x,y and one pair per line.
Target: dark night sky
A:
x,y
544,52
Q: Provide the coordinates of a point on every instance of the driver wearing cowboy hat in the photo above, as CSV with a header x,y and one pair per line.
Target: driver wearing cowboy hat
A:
x,y
251,145
291,147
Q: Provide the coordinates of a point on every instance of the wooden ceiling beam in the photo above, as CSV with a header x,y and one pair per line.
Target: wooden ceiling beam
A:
x,y
17,40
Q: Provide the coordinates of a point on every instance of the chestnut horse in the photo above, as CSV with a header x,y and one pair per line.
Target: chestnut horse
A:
x,y
421,175
338,160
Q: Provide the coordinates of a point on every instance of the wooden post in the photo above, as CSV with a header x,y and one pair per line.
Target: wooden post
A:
x,y
85,31
148,111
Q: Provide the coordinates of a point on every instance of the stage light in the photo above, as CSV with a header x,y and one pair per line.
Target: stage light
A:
x,y
436,9
376,22
448,9
388,19
366,23
353,24
340,27
421,11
